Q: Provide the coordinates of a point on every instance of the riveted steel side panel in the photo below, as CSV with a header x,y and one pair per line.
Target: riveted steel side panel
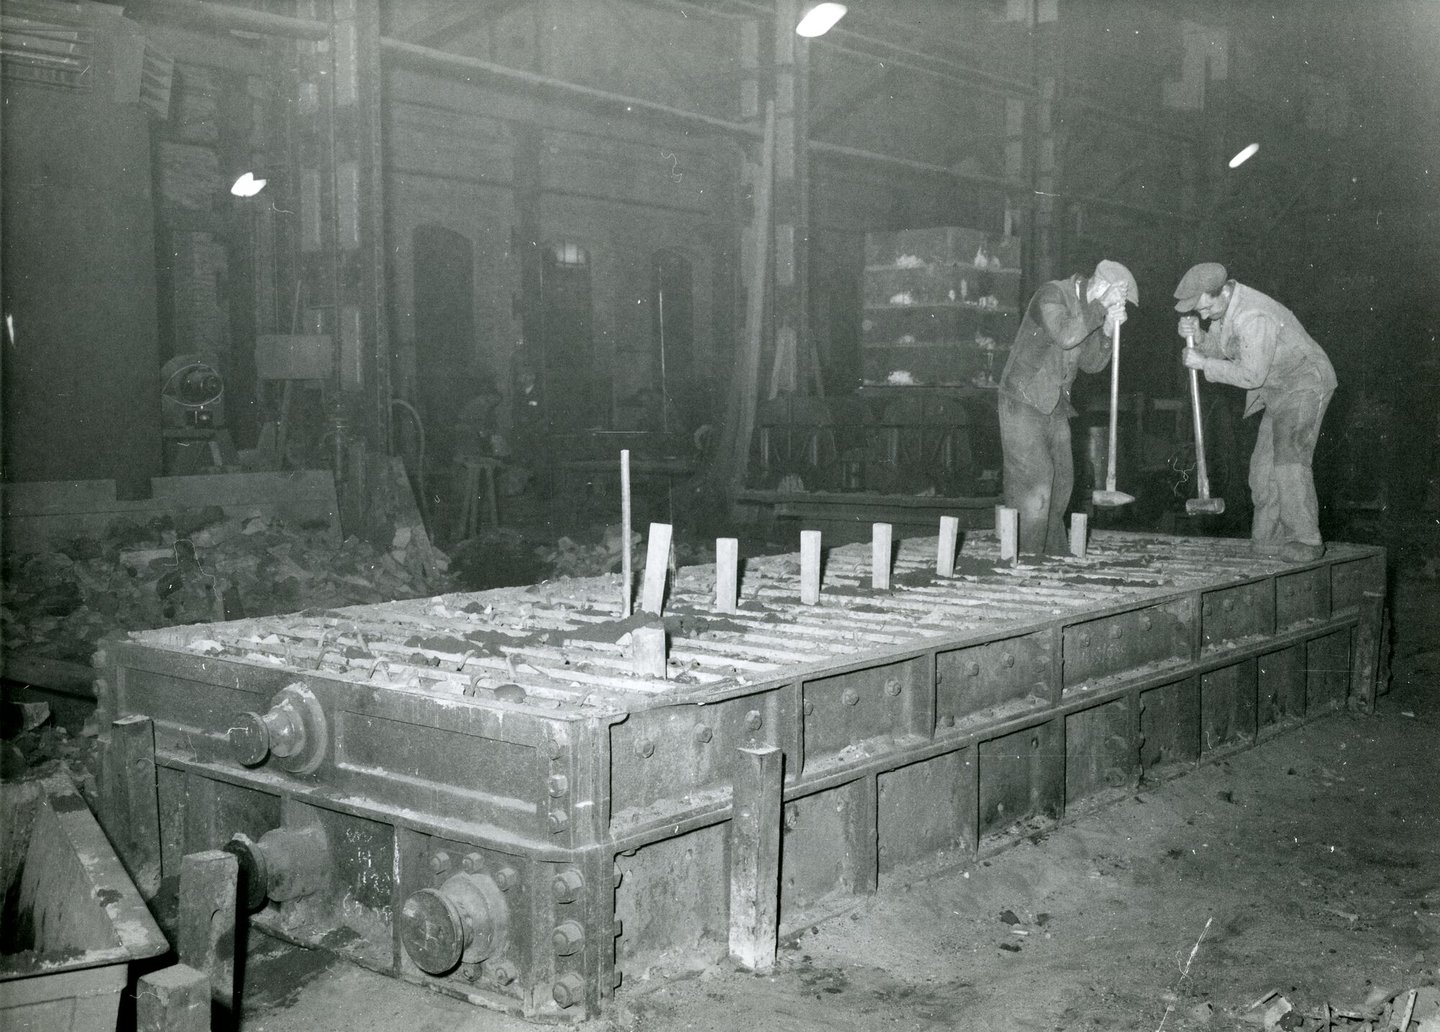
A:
x,y
1022,775
1233,616
1098,750
1281,677
926,809
1227,706
1302,596
1149,638
984,683
672,902
1169,726
1327,660
865,712
828,851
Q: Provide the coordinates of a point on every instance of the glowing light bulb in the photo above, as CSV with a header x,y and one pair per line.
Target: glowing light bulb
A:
x,y
1245,155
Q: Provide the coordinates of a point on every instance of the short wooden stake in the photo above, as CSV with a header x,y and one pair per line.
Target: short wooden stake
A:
x,y
945,549
727,574
755,858
657,565
649,651
809,567
1009,531
173,999
1079,527
205,936
882,538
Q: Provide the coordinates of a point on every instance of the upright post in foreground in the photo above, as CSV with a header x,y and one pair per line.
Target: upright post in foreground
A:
x,y
755,858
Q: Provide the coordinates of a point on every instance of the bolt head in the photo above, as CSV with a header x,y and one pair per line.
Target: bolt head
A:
x,y
439,862
472,863
754,721
505,973
646,748
506,878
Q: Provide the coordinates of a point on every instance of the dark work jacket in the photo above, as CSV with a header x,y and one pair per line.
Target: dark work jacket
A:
x,y
1060,333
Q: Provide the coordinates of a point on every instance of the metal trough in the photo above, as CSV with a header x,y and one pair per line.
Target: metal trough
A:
x,y
480,793
72,922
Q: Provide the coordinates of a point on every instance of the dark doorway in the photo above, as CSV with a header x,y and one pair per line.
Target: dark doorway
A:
x,y
444,329
674,336
571,395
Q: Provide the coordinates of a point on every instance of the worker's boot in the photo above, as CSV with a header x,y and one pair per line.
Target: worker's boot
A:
x,y
1266,546
1300,552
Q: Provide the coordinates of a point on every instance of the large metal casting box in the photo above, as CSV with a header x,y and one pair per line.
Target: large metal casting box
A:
x,y
481,793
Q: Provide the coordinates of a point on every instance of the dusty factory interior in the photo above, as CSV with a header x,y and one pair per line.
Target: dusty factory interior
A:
x,y
720,515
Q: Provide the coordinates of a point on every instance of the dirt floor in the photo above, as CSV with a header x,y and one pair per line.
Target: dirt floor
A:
x,y
1305,871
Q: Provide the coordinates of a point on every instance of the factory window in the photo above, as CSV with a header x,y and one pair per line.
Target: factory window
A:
x,y
571,392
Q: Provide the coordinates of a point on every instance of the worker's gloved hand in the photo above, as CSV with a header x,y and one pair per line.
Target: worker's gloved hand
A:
x,y
1115,315
1192,358
1189,326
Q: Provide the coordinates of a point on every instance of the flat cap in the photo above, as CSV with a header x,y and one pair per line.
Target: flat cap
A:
x,y
1114,272
1205,278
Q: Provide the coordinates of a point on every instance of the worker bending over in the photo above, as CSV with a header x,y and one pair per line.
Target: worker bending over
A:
x,y
1256,343
1066,328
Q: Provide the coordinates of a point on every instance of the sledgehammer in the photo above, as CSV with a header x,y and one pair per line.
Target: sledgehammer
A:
x,y
1110,496
1203,505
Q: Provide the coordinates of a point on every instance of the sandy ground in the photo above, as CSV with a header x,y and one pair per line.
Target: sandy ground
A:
x,y
1309,865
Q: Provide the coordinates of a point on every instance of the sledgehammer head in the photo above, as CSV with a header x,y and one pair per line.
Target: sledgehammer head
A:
x,y
1204,506
1111,499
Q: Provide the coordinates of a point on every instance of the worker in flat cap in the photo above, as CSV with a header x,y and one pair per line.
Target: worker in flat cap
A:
x,y
1256,343
1066,328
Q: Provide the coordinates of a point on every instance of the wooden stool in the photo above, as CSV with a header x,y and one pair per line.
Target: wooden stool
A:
x,y
469,473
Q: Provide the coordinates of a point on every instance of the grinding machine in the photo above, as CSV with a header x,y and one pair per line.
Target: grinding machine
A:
x,y
483,793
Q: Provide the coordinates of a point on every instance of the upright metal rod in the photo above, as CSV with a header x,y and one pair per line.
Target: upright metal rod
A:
x,y
1114,404
627,573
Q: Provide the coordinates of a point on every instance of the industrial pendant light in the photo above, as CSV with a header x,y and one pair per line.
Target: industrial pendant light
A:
x,y
819,18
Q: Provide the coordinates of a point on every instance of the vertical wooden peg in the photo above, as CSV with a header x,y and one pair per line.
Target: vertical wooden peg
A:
x,y
1009,533
809,567
1079,531
882,538
173,999
205,936
649,645
755,858
727,574
945,548
657,565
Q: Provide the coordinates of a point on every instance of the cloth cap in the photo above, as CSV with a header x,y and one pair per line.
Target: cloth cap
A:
x,y
1114,272
1205,278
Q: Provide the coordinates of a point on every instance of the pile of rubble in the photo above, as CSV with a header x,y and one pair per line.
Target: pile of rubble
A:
x,y
1411,1010
195,567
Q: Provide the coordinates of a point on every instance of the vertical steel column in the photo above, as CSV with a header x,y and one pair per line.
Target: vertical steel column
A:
x,y
342,243
791,58
1048,55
